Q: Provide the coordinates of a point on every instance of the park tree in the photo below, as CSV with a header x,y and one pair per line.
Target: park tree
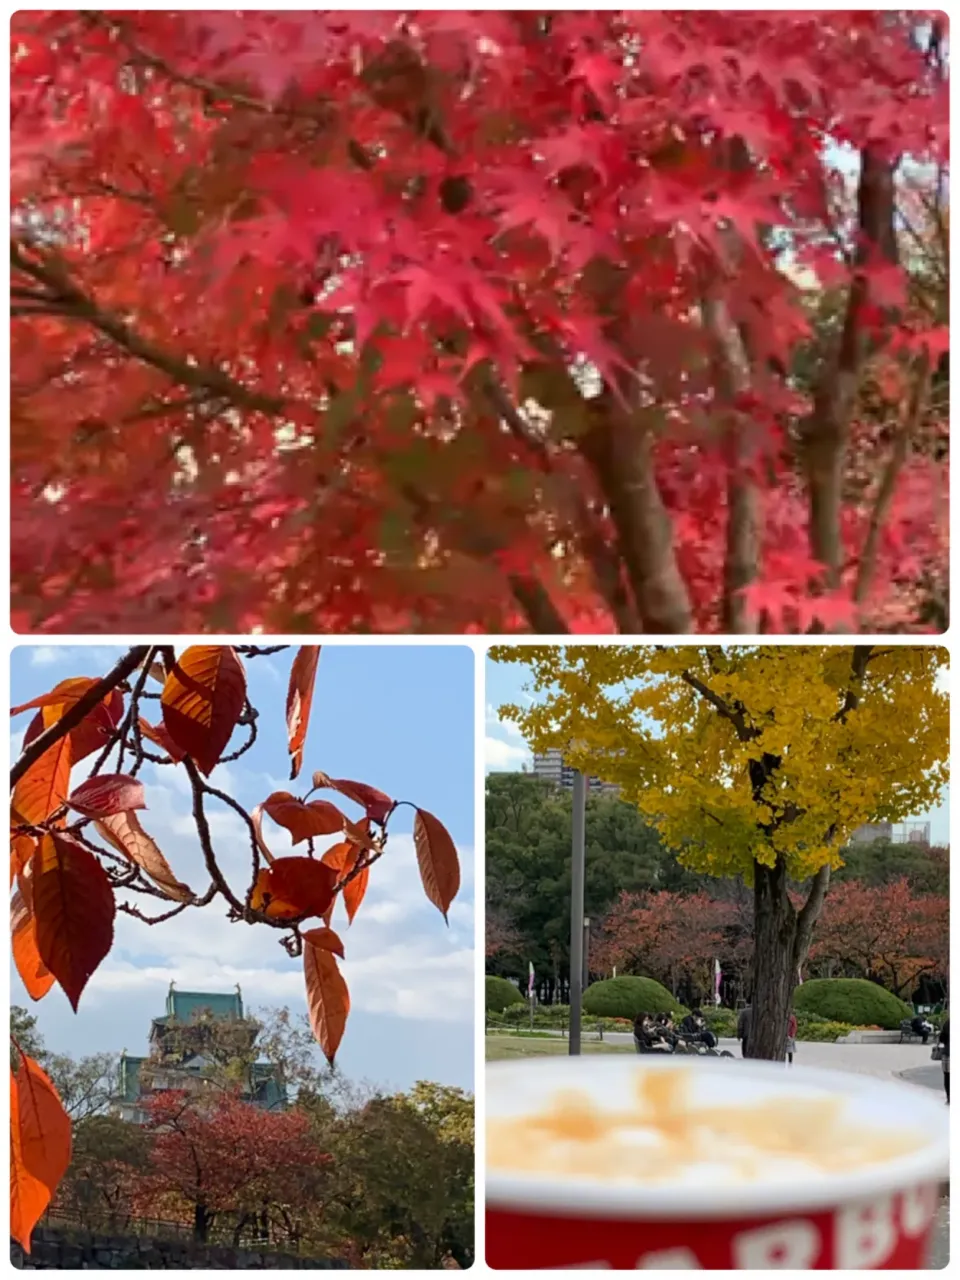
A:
x,y
403,1177
886,933
458,321
528,870
80,853
755,762
105,1178
672,937
218,1156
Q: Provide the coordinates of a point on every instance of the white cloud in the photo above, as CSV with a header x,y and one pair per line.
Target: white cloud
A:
x,y
45,655
505,755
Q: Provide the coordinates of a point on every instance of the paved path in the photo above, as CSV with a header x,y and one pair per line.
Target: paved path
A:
x,y
884,1061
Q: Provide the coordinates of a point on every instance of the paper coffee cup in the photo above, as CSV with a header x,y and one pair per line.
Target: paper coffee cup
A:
x,y
877,1216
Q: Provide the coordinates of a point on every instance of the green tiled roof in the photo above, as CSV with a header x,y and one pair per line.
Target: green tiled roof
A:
x,y
183,1005
130,1077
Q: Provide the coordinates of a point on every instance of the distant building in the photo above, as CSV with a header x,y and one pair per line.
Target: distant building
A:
x,y
912,832
180,1056
550,766
871,831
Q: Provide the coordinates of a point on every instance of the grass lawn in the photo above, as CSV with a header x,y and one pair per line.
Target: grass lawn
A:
x,y
499,1047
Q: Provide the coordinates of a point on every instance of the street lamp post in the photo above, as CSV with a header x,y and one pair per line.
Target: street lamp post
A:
x,y
577,864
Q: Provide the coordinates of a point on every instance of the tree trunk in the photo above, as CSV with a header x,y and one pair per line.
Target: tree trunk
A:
x,y
201,1223
774,970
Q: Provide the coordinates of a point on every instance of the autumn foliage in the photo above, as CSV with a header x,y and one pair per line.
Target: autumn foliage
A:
x,y
888,933
80,854
478,321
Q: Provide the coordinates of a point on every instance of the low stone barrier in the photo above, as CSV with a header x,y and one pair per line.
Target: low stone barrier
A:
x,y
59,1249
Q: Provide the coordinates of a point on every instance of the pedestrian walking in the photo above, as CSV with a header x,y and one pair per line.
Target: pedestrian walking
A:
x,y
944,1042
791,1037
743,1028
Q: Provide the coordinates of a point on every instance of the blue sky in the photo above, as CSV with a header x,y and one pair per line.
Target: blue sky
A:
x,y
399,717
506,750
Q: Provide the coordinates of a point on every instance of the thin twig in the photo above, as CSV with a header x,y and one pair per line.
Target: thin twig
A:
x,y
80,709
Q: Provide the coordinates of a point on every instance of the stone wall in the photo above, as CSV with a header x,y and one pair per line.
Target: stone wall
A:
x,y
63,1249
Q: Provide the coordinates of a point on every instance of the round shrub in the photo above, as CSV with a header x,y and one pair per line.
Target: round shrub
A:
x,y
500,994
852,1000
722,1022
626,997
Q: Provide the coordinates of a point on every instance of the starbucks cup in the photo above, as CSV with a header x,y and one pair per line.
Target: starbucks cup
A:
x,y
878,1216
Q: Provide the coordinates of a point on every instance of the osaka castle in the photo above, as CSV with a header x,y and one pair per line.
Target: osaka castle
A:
x,y
203,1039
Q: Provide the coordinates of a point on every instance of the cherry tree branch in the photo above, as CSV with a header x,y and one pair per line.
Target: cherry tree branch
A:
x,y
80,709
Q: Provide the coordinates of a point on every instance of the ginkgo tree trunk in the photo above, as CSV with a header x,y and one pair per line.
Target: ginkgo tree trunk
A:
x,y
755,762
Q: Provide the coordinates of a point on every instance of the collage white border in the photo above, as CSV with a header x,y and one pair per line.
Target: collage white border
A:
x,y
478,644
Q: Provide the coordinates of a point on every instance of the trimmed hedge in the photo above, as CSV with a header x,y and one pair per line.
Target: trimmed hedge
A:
x,y
854,1001
501,993
626,997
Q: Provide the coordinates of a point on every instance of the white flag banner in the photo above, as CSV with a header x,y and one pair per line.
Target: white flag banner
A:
x,y
717,976
530,982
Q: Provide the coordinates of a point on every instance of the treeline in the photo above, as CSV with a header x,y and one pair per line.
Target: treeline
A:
x,y
885,918
381,1180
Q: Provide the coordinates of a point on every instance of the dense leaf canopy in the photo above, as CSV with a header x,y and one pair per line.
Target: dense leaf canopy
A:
x,y
478,321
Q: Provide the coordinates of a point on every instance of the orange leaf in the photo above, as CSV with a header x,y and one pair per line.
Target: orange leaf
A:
x,y
124,832
437,859
93,731
256,819
63,694
34,974
202,701
74,908
354,891
294,887
377,804
107,794
319,818
303,673
328,1000
22,849
336,856
158,735
40,1147
326,939
44,787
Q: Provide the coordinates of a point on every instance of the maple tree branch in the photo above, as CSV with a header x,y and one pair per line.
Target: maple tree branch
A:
x,y
604,563
825,434
80,709
619,448
78,305
906,430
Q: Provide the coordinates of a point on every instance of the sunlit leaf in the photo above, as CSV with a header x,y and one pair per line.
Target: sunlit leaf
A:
x,y
124,832
40,1146
106,794
328,1001
299,698
437,859
202,700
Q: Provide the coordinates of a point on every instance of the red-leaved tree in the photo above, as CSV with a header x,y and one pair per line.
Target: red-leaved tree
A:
x,y
884,932
220,1155
478,320
674,937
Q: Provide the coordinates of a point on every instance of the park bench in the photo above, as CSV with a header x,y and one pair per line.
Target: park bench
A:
x,y
908,1035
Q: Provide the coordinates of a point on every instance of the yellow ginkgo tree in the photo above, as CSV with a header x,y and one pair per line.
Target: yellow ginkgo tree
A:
x,y
751,761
